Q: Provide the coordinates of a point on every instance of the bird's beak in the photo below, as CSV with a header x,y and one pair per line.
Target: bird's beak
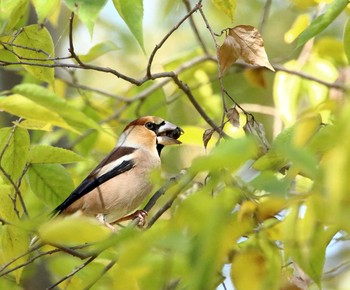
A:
x,y
168,134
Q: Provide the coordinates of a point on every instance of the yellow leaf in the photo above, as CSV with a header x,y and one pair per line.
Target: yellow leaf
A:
x,y
303,4
228,7
269,207
286,89
248,208
23,107
35,125
14,243
255,76
35,45
248,270
6,205
305,129
347,39
73,230
332,49
299,25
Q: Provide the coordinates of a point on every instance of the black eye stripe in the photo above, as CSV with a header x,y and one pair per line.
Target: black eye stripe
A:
x,y
151,126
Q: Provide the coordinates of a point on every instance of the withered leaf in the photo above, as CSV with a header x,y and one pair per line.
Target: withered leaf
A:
x,y
229,52
252,127
246,42
233,117
208,133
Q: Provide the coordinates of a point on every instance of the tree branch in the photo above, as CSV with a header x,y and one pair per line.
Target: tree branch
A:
x,y
165,38
76,270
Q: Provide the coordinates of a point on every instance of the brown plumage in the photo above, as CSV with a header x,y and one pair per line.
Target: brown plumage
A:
x,y
119,184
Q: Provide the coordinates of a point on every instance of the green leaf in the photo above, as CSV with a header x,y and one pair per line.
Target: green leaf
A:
x,y
51,101
269,182
11,13
306,239
14,243
98,50
132,14
229,154
322,21
227,7
15,145
87,10
50,182
36,46
45,8
50,154
73,230
25,108
347,40
6,205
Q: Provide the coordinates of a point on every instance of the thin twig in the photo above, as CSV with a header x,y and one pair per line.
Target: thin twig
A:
x,y
4,222
338,86
29,261
76,270
37,50
194,28
151,203
71,44
73,250
98,91
265,15
105,270
165,38
219,68
184,87
184,183
9,178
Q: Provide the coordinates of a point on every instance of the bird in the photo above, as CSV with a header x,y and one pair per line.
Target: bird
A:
x,y
120,182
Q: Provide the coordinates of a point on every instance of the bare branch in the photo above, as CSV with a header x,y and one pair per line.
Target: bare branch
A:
x,y
278,67
76,270
219,69
9,178
194,28
182,185
265,15
105,270
165,38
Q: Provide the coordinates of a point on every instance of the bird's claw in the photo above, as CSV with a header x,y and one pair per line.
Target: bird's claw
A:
x,y
139,214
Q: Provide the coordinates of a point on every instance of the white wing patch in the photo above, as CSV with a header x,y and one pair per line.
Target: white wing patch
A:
x,y
110,166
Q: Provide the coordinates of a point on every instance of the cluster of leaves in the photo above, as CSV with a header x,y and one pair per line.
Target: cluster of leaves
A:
x,y
258,209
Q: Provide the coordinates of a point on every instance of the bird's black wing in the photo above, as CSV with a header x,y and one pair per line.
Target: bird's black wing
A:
x,y
91,183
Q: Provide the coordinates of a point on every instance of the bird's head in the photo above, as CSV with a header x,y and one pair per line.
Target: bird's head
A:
x,y
150,131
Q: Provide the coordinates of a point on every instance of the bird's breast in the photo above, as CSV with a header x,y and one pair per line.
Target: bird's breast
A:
x,y
122,194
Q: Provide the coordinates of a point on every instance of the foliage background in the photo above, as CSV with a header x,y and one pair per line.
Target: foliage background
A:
x,y
68,87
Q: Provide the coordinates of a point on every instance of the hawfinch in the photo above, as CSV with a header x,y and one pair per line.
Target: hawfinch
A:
x,y
119,184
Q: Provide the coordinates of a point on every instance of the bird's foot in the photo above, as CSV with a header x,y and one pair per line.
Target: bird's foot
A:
x,y
139,214
102,219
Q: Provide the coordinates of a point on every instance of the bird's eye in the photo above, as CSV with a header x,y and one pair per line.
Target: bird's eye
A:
x,y
150,126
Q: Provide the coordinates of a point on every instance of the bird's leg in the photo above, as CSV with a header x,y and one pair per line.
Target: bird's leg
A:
x,y
102,219
141,214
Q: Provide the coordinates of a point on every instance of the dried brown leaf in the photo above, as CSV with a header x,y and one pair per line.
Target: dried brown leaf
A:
x,y
251,44
229,52
208,133
233,117
252,127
